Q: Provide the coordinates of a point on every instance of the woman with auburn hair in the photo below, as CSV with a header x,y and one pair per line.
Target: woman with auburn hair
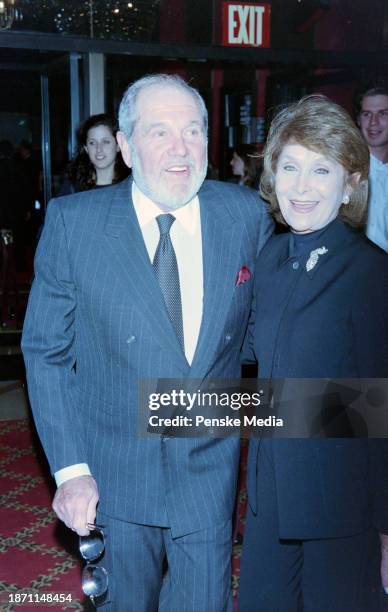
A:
x,y
320,312
98,160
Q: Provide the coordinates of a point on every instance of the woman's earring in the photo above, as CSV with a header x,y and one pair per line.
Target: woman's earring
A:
x,y
346,199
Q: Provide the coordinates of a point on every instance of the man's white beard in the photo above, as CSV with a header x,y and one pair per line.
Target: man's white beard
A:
x,y
163,196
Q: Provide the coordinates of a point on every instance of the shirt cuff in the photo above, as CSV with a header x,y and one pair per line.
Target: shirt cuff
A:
x,y
72,471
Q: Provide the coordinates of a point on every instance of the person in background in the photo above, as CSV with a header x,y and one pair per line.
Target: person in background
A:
x,y
98,160
372,118
320,312
246,165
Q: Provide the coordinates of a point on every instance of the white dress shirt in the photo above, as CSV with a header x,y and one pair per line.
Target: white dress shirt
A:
x,y
187,242
377,226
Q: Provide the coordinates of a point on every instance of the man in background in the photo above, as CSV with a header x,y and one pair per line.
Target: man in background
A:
x,y
372,118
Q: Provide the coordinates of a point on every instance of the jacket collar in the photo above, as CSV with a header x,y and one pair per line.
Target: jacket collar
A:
x,y
131,264
221,245
334,238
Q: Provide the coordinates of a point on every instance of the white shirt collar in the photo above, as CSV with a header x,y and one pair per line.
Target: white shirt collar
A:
x,y
146,211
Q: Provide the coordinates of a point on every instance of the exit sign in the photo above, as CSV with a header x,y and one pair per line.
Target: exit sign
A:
x,y
245,24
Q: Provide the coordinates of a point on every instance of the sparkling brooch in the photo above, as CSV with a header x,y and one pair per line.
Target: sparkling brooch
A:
x,y
314,256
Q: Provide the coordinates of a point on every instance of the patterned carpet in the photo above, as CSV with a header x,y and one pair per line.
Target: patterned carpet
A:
x,y
37,555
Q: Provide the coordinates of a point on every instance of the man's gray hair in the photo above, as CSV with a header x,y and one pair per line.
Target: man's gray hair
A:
x,y
128,111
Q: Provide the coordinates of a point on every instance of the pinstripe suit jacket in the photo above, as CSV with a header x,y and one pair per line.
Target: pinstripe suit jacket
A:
x,y
95,303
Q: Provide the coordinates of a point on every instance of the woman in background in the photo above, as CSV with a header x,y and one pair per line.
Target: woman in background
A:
x,y
320,311
246,165
98,160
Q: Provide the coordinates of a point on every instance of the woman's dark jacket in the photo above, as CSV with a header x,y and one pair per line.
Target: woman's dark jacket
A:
x,y
329,322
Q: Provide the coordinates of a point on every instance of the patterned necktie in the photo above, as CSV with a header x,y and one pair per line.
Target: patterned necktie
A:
x,y
166,270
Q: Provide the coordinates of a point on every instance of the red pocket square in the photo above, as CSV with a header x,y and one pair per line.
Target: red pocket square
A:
x,y
243,275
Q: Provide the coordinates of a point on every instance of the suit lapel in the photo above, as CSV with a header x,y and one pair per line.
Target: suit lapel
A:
x,y
131,263
221,244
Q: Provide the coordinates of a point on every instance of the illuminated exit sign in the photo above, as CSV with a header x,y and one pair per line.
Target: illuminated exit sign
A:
x,y
245,24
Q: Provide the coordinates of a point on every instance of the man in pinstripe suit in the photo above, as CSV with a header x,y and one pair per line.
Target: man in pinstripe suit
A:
x,y
97,323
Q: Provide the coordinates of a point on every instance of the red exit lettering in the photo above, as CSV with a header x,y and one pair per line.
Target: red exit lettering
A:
x,y
246,24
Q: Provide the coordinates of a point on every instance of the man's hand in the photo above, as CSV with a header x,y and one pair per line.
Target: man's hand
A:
x,y
384,561
75,503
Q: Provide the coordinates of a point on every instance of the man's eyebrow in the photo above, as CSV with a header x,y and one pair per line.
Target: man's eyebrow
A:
x,y
164,124
195,123
151,126
379,110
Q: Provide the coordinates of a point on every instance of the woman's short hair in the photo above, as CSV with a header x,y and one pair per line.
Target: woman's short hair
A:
x,y
317,123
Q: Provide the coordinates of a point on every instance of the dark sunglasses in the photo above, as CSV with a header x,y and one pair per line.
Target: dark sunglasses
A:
x,y
94,577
